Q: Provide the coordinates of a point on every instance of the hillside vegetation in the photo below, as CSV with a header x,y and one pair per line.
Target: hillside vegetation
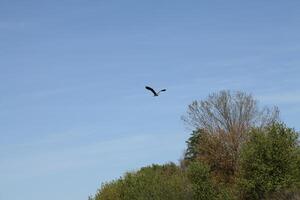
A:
x,y
237,150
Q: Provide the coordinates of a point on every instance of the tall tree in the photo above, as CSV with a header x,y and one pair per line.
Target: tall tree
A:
x,y
220,124
228,111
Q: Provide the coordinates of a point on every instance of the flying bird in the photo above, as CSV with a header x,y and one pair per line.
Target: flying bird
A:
x,y
155,94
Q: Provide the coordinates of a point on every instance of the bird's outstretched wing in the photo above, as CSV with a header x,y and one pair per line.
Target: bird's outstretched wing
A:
x,y
153,91
163,90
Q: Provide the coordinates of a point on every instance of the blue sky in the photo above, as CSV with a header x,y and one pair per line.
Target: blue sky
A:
x,y
73,109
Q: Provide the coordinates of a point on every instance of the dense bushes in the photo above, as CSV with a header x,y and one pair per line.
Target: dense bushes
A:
x,y
200,180
159,182
269,162
150,183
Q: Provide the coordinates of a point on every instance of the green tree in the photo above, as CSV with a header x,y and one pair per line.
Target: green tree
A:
x,y
221,122
109,191
269,162
192,151
202,186
157,182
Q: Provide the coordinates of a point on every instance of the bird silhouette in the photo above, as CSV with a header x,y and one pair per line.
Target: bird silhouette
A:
x,y
155,94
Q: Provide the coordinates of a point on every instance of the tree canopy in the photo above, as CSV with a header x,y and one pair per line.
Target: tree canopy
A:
x,y
269,161
221,123
228,111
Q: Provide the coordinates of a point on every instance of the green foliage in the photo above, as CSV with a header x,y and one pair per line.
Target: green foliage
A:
x,y
286,194
269,161
217,150
199,176
110,191
164,182
192,146
150,183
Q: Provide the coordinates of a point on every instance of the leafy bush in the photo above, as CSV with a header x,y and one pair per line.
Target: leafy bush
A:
x,y
150,183
287,194
269,162
202,186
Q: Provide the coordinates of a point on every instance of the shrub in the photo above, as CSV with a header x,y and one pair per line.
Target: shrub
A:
x,y
155,182
269,161
202,186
